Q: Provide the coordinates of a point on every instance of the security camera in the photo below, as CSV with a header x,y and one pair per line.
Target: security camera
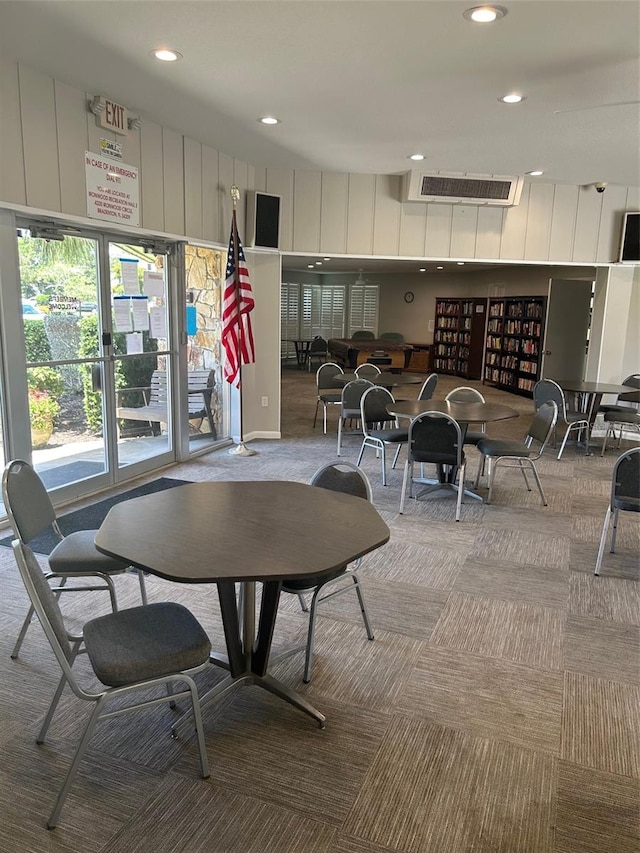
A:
x,y
601,186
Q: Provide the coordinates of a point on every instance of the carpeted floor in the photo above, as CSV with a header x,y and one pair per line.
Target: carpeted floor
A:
x,y
495,712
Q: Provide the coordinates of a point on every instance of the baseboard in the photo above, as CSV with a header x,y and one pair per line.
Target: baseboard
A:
x,y
252,436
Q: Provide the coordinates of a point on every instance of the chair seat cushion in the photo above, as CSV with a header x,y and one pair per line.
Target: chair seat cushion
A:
x,y
474,437
296,586
394,435
145,642
78,553
628,410
622,417
504,447
576,417
628,504
330,396
435,458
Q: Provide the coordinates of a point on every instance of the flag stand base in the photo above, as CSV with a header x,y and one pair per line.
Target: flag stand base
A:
x,y
242,450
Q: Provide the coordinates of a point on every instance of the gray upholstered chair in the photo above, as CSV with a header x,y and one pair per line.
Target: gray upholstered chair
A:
x,y
435,438
466,394
379,428
627,402
519,454
393,337
328,388
350,405
347,478
141,648
545,391
363,335
625,496
368,371
75,556
623,421
428,388
319,350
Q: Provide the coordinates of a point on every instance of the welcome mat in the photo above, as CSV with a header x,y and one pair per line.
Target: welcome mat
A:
x,y
91,517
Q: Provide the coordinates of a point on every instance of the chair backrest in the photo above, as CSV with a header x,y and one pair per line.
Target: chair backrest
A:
x,y
343,477
633,380
26,500
318,345
373,407
546,391
200,380
542,425
465,394
437,435
352,394
395,337
625,481
368,371
633,396
428,387
325,376
363,335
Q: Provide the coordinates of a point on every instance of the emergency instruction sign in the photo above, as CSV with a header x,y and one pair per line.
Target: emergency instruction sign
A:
x,y
113,191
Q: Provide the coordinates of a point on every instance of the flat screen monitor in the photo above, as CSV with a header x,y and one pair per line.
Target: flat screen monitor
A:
x,y
630,247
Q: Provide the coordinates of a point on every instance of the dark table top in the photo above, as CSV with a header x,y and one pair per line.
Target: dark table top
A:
x,y
241,531
386,379
581,387
467,413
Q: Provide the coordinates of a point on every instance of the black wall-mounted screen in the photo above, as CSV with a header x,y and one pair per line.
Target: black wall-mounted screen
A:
x,y
267,220
630,249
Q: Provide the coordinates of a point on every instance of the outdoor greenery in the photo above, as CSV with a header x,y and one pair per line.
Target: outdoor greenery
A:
x,y
43,409
36,341
45,379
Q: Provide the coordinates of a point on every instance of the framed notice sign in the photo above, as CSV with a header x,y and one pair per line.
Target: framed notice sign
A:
x,y
113,191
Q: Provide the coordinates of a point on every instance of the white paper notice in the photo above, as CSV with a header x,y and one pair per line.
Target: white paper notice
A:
x,y
134,343
157,321
153,283
122,314
140,307
129,272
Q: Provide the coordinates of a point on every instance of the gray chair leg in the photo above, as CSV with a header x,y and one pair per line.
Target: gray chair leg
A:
x,y
363,607
460,491
539,484
303,603
614,532
492,464
395,458
524,473
564,441
407,465
308,658
143,587
603,541
315,417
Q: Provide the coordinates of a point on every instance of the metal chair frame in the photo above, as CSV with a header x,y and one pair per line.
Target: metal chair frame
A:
x,y
428,387
367,371
42,517
373,403
66,648
326,391
350,405
318,348
551,391
625,496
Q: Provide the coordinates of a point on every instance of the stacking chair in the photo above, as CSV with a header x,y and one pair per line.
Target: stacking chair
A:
x,y
626,400
368,371
623,420
347,478
318,349
393,337
379,428
519,454
545,391
466,394
350,405
625,496
75,556
428,388
139,648
328,388
436,438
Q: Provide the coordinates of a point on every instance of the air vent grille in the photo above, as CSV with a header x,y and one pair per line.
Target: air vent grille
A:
x,y
470,188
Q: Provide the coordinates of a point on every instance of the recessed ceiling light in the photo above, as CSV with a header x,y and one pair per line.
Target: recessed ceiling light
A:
x,y
536,173
165,54
439,268
416,156
310,266
422,269
318,263
484,14
269,120
513,98
460,263
326,259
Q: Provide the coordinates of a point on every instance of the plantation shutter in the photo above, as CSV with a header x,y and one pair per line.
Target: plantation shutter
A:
x,y
289,318
363,308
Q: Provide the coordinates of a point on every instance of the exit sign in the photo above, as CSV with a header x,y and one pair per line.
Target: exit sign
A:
x,y
110,115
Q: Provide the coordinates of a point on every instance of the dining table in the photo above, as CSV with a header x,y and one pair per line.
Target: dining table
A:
x,y
464,413
237,534
588,395
302,349
384,378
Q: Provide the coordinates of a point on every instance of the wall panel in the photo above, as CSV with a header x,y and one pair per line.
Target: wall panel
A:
x,y
280,182
333,213
563,222
438,240
587,224
515,228
538,236
193,188
610,232
173,165
386,223
360,207
413,228
225,203
210,205
241,180
71,109
307,201
464,229
151,176
12,183
40,143
489,235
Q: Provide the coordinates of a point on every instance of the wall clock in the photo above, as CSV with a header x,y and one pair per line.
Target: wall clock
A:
x,y
409,297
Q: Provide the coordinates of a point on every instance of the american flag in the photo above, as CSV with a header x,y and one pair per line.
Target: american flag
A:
x,y
237,303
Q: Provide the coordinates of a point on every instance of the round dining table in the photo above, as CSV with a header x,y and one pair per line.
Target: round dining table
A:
x,y
589,395
386,378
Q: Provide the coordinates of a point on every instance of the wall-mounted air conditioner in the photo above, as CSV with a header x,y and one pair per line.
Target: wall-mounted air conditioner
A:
x,y
462,189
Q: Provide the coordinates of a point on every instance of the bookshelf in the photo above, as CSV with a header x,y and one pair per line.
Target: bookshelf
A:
x,y
458,337
513,345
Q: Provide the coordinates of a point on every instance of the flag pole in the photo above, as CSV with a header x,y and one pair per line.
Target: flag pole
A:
x,y
241,448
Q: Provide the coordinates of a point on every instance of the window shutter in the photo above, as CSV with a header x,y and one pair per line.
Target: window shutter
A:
x,y
363,308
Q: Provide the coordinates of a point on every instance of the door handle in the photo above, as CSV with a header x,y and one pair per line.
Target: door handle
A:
x,y
96,377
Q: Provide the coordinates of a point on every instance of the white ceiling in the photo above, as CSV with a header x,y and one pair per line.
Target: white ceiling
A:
x,y
359,85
